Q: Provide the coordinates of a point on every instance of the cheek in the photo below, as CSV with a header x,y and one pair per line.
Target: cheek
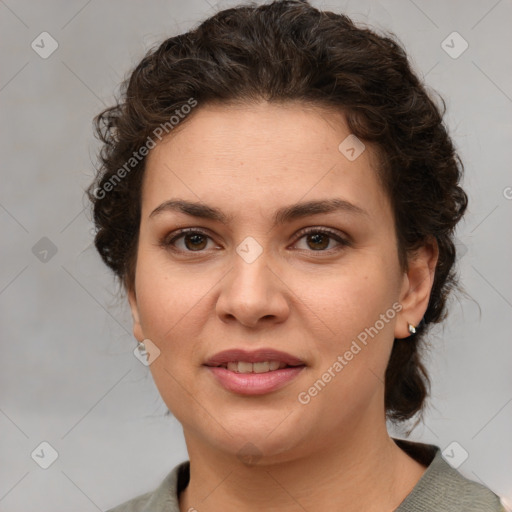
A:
x,y
352,305
167,297
168,308
353,299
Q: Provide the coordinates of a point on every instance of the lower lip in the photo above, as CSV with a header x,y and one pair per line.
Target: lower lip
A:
x,y
255,383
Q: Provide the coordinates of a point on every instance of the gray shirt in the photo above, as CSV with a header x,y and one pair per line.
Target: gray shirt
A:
x,y
440,489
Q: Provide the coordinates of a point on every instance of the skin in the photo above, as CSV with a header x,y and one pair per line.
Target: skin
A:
x,y
248,161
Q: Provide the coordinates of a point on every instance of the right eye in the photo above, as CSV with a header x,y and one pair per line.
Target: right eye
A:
x,y
193,240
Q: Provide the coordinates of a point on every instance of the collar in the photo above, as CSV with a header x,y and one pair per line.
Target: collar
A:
x,y
441,488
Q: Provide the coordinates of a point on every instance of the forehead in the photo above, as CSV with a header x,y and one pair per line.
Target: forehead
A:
x,y
265,155
274,129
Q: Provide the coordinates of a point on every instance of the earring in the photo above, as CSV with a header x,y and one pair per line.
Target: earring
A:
x,y
412,329
141,347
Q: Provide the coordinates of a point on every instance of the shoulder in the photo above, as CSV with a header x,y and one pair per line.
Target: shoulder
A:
x,y
137,504
443,489
458,492
164,498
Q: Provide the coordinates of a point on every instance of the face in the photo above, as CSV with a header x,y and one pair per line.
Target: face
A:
x,y
306,282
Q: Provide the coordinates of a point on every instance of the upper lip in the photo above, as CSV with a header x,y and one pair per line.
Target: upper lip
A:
x,y
256,356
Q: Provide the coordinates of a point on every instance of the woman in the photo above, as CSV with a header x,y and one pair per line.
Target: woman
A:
x,y
278,196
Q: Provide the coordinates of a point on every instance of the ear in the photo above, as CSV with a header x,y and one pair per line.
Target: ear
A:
x,y
137,328
416,287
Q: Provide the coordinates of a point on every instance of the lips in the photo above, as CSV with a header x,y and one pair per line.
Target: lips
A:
x,y
257,372
257,356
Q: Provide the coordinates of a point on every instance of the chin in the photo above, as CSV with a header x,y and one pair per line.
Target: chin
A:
x,y
269,438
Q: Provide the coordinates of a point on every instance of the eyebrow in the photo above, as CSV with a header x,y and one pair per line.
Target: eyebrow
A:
x,y
281,216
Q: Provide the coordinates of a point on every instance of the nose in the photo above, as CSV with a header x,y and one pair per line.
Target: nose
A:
x,y
252,294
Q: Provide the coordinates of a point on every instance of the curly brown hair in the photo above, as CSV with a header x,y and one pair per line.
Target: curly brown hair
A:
x,y
289,50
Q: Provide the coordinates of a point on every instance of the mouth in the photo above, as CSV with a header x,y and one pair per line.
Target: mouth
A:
x,y
259,367
254,373
258,361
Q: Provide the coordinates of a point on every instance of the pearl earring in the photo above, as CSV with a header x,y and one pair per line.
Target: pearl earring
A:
x,y
412,329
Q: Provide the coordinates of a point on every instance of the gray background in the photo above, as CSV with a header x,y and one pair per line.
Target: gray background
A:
x,y
68,375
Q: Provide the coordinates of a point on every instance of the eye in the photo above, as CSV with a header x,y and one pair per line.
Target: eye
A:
x,y
194,240
319,239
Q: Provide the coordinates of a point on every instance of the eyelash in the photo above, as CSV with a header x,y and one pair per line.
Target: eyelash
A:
x,y
168,241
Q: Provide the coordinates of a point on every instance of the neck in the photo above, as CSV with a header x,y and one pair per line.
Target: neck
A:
x,y
361,470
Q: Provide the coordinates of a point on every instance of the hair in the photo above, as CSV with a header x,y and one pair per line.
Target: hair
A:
x,y
290,51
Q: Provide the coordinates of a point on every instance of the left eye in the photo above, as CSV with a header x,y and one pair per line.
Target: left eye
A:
x,y
196,241
319,239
